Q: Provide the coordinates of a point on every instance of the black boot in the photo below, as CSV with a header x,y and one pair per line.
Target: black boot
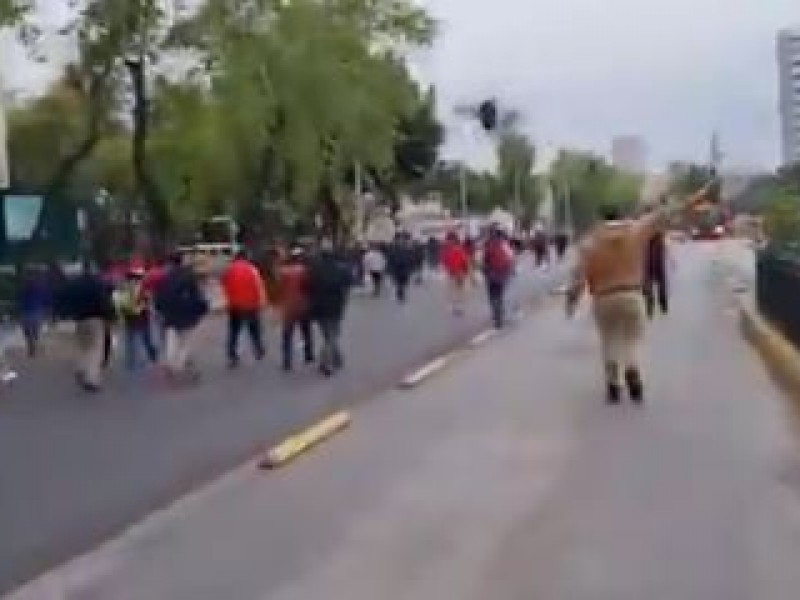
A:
x,y
614,390
614,393
635,387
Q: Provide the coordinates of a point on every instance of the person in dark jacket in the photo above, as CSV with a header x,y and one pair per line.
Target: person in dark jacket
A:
x,y
330,280
561,241
182,305
418,261
34,307
433,252
400,261
87,300
498,268
655,288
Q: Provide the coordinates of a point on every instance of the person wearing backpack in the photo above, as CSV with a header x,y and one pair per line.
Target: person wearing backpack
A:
x,y
330,280
498,267
182,305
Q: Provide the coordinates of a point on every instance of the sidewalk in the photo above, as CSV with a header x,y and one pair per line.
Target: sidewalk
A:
x,y
506,477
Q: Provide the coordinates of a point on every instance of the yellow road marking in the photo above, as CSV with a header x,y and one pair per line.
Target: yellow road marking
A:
x,y
295,445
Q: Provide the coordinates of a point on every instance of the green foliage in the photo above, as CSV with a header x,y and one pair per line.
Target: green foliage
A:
x,y
782,217
516,156
12,11
591,184
280,101
419,136
686,179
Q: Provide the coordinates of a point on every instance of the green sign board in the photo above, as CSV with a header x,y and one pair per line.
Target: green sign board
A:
x,y
33,226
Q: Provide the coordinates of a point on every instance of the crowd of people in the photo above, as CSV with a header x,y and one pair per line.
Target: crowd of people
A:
x,y
155,309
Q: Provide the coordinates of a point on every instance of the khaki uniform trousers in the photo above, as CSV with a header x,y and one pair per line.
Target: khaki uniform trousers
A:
x,y
620,318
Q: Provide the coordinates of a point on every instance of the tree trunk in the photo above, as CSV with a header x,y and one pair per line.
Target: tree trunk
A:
x,y
146,187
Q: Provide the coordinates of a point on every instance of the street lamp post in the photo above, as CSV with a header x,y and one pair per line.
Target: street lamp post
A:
x,y
5,171
462,180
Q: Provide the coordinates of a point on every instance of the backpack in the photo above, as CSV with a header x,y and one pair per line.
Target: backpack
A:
x,y
499,259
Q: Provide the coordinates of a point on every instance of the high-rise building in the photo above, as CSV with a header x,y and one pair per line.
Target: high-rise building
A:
x,y
788,47
629,153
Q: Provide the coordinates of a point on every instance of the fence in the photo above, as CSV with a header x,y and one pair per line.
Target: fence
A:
x,y
778,292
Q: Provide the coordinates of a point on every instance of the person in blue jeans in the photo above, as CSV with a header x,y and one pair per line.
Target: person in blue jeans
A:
x,y
34,307
498,268
133,308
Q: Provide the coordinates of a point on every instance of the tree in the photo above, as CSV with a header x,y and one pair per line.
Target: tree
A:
x,y
588,182
782,217
419,137
307,89
13,11
517,186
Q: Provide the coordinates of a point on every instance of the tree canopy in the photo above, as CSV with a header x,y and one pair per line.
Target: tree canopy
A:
x,y
272,102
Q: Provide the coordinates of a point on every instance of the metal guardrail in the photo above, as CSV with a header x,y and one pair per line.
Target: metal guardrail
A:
x,y
778,291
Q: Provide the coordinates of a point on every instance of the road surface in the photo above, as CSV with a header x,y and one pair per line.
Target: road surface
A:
x,y
506,476
75,469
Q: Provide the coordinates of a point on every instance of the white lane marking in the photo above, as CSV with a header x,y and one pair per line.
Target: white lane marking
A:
x,y
426,371
483,337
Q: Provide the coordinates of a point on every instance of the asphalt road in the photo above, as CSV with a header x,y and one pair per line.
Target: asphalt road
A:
x,y
75,469
506,476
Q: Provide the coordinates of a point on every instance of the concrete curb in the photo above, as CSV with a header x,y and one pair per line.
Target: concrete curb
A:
x,y
781,358
300,443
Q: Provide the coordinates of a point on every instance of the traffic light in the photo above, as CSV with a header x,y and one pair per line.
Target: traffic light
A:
x,y
487,113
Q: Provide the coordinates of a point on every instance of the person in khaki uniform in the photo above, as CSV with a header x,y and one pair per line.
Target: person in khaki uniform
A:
x,y
611,266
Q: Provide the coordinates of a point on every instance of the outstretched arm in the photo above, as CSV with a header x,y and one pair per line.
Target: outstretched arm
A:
x,y
658,218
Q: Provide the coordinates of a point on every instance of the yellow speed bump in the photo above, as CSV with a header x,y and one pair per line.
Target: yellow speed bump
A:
x,y
301,442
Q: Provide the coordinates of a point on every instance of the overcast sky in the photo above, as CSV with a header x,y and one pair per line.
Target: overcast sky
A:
x,y
583,71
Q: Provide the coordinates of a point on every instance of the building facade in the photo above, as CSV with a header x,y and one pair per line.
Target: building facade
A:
x,y
629,153
788,50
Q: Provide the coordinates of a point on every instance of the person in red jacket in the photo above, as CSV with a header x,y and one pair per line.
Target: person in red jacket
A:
x,y
246,298
457,266
294,285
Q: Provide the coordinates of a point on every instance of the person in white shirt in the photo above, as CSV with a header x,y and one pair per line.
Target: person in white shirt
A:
x,y
375,265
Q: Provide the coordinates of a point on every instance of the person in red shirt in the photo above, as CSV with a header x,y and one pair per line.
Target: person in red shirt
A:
x,y
246,298
294,285
457,266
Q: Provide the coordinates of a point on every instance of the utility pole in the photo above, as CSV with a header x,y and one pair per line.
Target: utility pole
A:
x,y
462,180
5,171
358,195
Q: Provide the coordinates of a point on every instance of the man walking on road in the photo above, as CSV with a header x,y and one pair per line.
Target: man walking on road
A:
x,y
246,297
330,281
294,285
612,265
498,267
182,305
87,300
401,264
375,265
457,265
655,277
